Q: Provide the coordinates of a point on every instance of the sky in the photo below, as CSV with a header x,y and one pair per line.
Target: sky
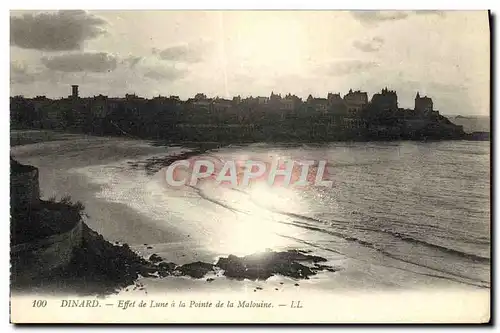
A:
x,y
442,54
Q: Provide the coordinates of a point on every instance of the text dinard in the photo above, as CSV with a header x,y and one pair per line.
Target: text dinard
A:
x,y
125,304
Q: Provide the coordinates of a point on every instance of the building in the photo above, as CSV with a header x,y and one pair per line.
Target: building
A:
x,y
237,100
386,100
200,96
317,104
200,100
423,104
336,105
221,104
274,98
355,101
99,107
334,98
131,97
288,104
262,100
275,101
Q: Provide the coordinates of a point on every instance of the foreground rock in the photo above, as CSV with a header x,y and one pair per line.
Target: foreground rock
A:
x,y
196,270
100,267
261,266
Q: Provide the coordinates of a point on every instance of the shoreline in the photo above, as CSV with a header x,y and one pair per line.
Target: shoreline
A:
x,y
472,136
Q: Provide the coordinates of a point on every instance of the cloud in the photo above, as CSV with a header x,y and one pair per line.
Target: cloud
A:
x,y
60,31
344,67
371,45
435,88
159,73
190,53
374,17
21,74
81,62
132,61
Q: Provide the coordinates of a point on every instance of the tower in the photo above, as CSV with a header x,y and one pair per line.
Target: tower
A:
x,y
74,91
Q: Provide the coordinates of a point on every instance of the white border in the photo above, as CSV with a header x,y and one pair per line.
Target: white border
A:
x,y
185,4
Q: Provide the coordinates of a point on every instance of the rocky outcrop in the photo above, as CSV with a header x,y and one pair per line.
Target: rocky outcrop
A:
x,y
261,266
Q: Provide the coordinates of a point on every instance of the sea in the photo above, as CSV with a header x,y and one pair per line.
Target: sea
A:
x,y
398,214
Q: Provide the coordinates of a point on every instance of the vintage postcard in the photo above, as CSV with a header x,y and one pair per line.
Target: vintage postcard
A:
x,y
250,166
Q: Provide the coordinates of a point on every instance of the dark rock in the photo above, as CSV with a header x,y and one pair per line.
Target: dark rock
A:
x,y
147,271
155,258
233,266
261,266
326,268
196,270
299,256
167,266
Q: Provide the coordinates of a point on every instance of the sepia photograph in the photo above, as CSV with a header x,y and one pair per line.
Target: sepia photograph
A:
x,y
250,166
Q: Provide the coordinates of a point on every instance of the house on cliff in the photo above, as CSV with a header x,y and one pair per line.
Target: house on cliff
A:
x,y
386,100
355,101
423,105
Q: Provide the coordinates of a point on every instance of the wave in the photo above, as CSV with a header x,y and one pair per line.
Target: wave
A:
x,y
414,240
340,225
376,247
397,235
450,278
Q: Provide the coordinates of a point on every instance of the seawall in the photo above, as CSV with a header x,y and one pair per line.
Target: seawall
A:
x,y
40,257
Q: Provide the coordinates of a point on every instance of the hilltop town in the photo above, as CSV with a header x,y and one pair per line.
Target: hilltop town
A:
x,y
275,118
